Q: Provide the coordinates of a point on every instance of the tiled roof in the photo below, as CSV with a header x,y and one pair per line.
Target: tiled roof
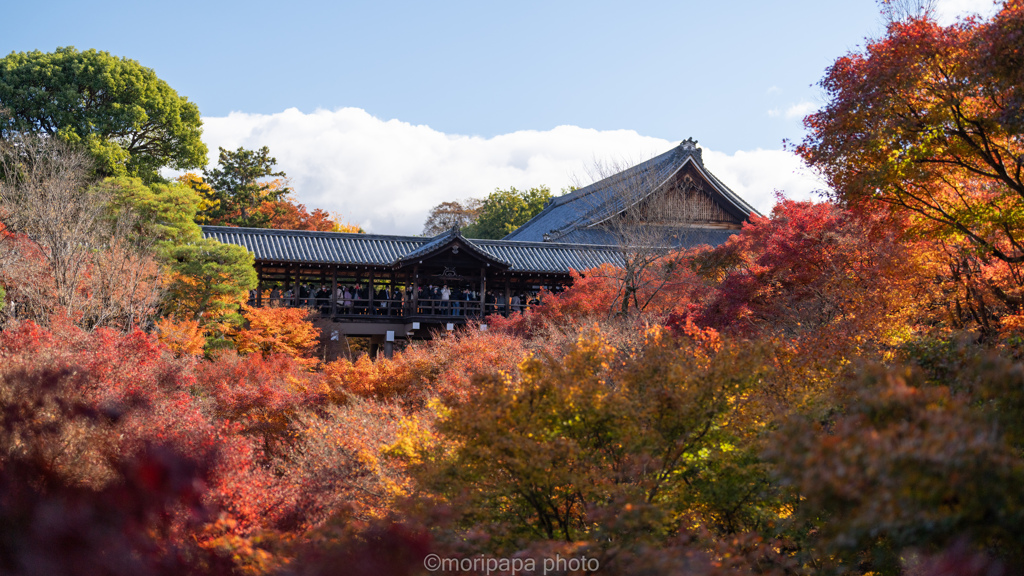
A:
x,y
446,238
571,218
302,246
687,238
550,256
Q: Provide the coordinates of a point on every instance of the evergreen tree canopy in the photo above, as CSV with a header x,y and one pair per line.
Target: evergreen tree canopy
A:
x,y
132,122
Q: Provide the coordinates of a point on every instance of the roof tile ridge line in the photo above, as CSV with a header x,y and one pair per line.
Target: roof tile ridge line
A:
x,y
688,157
317,233
728,192
550,245
477,247
587,219
440,240
434,240
526,225
572,196
582,219
730,195
584,192
581,193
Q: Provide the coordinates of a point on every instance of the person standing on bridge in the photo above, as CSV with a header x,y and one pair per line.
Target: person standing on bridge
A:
x,y
347,300
446,295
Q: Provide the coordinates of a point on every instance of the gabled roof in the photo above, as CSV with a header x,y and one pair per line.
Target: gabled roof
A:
x,y
301,246
442,242
574,216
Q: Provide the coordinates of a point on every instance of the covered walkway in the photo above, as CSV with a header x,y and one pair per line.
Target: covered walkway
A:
x,y
371,284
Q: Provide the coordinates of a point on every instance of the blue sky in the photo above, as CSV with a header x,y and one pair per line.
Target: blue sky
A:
x,y
397,82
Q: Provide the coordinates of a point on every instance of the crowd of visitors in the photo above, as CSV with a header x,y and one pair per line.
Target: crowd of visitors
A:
x,y
430,300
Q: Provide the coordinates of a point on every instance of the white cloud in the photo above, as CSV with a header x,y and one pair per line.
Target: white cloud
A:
x,y
757,175
386,175
794,112
798,111
948,11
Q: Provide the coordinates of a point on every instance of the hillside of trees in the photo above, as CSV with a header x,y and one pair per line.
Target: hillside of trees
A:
x,y
838,389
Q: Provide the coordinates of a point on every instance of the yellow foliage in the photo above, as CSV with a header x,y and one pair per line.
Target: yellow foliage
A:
x,y
182,337
207,201
341,225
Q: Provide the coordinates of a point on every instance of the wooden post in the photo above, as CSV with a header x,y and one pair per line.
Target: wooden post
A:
x,y
318,306
508,296
259,287
334,291
394,296
415,289
369,293
284,288
355,293
295,291
483,292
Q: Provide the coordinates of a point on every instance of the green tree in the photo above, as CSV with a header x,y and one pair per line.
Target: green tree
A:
x,y
240,187
165,212
505,210
561,452
205,280
209,281
132,122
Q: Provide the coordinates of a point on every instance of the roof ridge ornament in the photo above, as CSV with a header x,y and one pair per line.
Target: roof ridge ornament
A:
x,y
689,146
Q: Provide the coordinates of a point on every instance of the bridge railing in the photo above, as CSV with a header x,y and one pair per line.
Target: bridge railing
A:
x,y
355,307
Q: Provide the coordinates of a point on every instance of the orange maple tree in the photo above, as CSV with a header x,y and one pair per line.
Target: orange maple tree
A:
x,y
278,331
926,121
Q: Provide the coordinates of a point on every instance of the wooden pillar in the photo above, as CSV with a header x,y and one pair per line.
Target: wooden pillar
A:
x,y
415,289
369,294
334,291
355,293
295,290
318,306
259,287
483,292
284,288
508,295
394,296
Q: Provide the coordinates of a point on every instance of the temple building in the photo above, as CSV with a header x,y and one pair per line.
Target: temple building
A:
x,y
392,287
672,196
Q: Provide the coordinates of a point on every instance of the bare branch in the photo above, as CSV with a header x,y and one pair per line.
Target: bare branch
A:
x,y
62,249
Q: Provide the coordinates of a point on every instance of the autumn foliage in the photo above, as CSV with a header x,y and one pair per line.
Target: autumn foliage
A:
x,y
746,421
182,337
837,389
272,331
